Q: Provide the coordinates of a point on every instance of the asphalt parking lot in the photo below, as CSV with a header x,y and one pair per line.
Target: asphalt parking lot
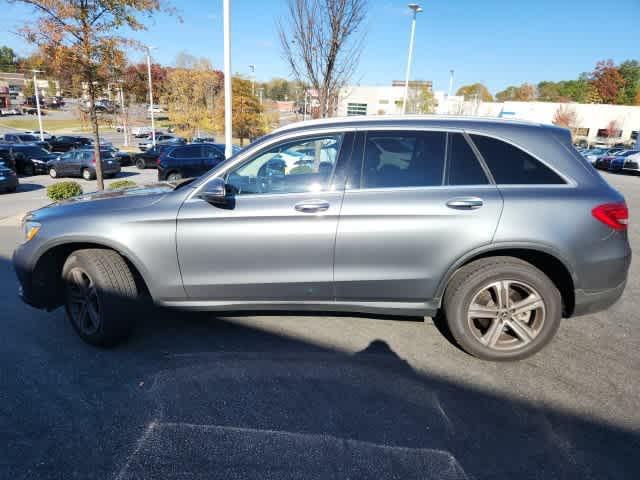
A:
x,y
199,396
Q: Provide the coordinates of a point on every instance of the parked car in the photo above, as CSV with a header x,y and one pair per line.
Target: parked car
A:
x,y
10,111
203,140
36,133
603,162
617,161
632,164
149,158
188,161
410,216
82,163
593,154
64,143
25,138
6,157
124,158
163,138
8,179
31,159
140,132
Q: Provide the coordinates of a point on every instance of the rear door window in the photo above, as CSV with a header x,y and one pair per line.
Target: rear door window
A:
x,y
189,151
463,167
403,159
510,165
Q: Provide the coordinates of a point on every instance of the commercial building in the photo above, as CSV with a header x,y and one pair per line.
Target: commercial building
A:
x,y
591,123
17,82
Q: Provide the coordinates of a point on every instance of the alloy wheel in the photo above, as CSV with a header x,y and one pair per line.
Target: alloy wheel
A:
x,y
506,315
82,301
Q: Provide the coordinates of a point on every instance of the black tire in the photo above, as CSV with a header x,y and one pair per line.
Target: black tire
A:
x,y
53,173
174,177
467,285
114,300
140,164
29,170
87,175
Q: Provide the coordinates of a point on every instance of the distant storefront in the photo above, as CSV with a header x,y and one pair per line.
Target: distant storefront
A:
x,y
5,96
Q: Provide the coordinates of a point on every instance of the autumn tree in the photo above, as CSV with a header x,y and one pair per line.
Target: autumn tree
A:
x,y
190,96
86,31
523,93
475,91
566,117
630,72
422,100
607,81
137,81
248,120
322,41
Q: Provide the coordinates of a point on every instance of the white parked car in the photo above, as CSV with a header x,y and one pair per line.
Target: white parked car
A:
x,y
140,132
36,133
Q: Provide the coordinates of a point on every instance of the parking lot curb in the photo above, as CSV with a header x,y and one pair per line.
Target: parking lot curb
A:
x,y
14,220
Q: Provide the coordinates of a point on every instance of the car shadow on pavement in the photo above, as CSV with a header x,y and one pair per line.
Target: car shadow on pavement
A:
x,y
124,174
195,396
28,187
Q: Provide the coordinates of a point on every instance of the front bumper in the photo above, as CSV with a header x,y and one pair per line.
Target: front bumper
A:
x,y
9,183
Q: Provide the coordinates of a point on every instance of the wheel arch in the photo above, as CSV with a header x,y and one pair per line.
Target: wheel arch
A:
x,y
546,259
47,272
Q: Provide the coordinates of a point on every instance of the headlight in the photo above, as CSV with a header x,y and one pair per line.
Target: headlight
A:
x,y
35,160
30,229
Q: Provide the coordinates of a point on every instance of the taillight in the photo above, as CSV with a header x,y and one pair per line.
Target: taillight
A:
x,y
158,161
93,160
613,215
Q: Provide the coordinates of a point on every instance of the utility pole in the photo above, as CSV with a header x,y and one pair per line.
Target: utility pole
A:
x,y
153,122
123,114
253,79
35,91
451,73
416,9
228,125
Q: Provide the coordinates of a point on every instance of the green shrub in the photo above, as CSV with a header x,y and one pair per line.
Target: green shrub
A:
x,y
63,190
118,184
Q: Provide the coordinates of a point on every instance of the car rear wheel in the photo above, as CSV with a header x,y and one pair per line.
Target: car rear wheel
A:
x,y
29,170
502,308
86,174
53,173
174,177
140,165
100,296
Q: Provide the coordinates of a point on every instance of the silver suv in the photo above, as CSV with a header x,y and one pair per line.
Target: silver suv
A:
x,y
500,228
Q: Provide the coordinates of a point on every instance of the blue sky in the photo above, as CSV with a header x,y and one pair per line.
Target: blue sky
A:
x,y
496,42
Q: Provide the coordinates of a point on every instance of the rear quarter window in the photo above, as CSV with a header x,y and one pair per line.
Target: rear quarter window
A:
x,y
510,165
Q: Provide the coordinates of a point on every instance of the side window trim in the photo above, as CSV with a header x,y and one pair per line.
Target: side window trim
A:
x,y
480,158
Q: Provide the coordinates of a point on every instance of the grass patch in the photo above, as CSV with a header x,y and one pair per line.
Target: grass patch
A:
x,y
48,125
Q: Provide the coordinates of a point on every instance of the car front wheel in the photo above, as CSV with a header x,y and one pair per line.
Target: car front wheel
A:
x,y
100,296
53,173
502,308
86,174
140,165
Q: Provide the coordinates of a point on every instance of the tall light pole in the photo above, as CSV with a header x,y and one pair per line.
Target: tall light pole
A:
x,y
226,13
416,9
123,114
153,121
35,91
451,74
253,79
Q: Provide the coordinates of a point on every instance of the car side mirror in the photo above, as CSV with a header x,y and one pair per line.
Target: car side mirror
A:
x,y
214,192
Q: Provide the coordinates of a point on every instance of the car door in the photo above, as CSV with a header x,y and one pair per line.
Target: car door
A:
x,y
63,164
274,240
421,201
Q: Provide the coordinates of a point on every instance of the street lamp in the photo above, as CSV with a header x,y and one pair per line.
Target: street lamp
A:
x,y
416,9
123,114
226,14
35,91
153,122
253,79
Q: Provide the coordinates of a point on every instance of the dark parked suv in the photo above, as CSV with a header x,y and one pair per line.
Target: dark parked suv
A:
x,y
149,158
500,228
189,161
82,163
30,159
65,143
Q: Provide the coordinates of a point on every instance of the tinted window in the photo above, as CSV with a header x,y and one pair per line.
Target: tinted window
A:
x,y
463,167
511,166
212,152
33,151
304,165
401,159
190,151
27,138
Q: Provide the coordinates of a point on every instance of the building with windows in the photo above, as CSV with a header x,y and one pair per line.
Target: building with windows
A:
x,y
16,83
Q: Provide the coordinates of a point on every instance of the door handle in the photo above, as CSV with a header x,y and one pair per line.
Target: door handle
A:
x,y
312,206
465,203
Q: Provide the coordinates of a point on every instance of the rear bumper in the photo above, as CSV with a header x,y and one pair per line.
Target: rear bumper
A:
x,y
595,301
